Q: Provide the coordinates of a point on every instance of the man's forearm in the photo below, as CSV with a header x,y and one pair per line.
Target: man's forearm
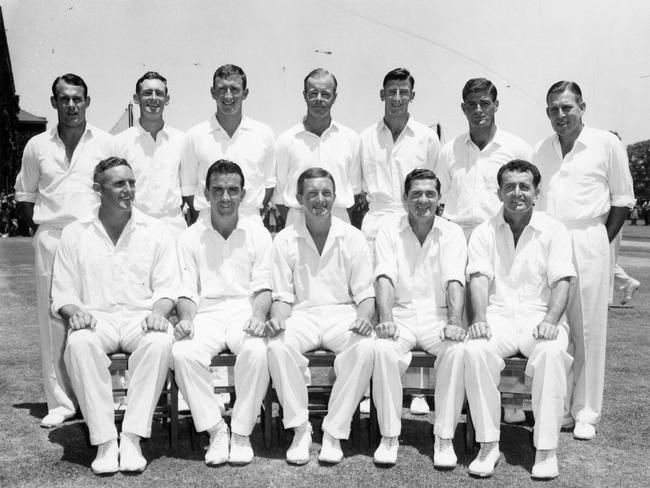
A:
x,y
559,300
67,311
280,310
366,309
185,309
262,304
385,297
268,194
455,302
26,210
163,307
189,200
615,221
478,292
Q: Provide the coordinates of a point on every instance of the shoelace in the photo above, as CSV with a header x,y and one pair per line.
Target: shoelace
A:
x,y
238,440
390,441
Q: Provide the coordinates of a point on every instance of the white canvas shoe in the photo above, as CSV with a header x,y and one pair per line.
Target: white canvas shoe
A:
x,y
513,415
487,459
241,451
330,451
443,453
584,431
386,453
419,406
106,460
131,458
545,467
298,452
217,452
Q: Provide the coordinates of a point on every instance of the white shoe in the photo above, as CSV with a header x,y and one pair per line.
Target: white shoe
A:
x,y
487,459
330,452
241,451
298,452
364,406
218,449
629,290
106,460
131,458
584,431
513,415
54,419
545,467
419,406
443,453
386,453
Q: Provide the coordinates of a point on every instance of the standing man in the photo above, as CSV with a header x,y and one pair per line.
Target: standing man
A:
x,y
520,273
468,164
323,297
420,295
226,297
54,188
588,187
229,135
390,150
318,141
113,283
153,150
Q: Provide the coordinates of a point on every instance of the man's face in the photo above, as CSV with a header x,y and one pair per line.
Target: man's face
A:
x,y
116,189
317,197
565,113
320,95
225,194
517,192
396,95
229,94
422,199
152,97
479,109
70,104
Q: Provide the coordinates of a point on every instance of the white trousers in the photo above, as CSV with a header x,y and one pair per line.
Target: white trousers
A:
x,y
548,365
325,327
587,316
52,330
87,362
618,277
217,328
392,357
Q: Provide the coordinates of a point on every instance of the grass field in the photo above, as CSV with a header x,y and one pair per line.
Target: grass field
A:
x,y
34,457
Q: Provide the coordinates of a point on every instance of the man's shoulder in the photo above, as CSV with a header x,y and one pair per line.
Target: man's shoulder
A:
x,y
371,131
602,136
40,139
452,145
345,130
100,134
547,223
513,141
74,231
448,226
289,134
199,129
257,126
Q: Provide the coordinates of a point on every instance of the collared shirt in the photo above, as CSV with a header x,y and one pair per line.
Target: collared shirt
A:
x,y
214,268
156,164
420,273
97,275
251,147
385,163
342,274
336,150
520,278
468,175
62,190
582,185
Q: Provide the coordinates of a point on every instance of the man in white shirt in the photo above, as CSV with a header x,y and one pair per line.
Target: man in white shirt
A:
x,y
153,149
318,141
54,188
420,295
225,260
323,297
520,274
468,165
113,283
588,187
229,135
390,150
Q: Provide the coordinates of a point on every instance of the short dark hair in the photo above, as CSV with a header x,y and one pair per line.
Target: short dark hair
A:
x,y
420,174
70,79
224,167
312,173
150,75
319,73
477,85
520,166
562,86
399,74
108,163
228,70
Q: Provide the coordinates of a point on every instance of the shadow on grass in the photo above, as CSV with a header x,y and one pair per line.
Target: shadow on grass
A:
x,y
36,410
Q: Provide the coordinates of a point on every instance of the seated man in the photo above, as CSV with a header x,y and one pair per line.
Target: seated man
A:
x,y
420,293
520,273
323,297
113,284
226,297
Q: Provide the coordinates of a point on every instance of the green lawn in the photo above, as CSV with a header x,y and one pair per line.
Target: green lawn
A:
x,y
32,456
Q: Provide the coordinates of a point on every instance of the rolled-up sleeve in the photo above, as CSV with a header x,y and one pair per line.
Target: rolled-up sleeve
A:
x,y
165,279
261,272
560,256
454,256
479,253
442,172
66,279
361,276
26,187
189,269
385,256
433,152
621,189
282,281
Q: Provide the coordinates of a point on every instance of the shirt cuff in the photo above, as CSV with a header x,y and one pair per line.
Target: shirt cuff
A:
x,y
367,293
382,269
188,190
24,196
622,201
284,297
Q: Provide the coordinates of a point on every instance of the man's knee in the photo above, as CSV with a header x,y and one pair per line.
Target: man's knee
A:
x,y
474,350
253,347
159,340
79,340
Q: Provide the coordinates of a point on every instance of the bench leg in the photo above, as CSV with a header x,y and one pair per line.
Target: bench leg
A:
x,y
173,432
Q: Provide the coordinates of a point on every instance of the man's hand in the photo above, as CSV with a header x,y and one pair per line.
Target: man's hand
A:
x,y
546,331
184,328
155,322
274,326
81,320
361,326
453,333
255,327
387,330
478,330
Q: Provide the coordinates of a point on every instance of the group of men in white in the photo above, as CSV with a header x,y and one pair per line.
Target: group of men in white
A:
x,y
490,278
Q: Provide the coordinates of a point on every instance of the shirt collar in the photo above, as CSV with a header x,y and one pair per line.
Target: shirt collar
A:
x,y
205,222
137,219
333,127
498,139
244,124
438,223
381,126
336,230
54,132
142,131
535,221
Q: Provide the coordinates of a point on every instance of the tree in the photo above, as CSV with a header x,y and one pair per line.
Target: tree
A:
x,y
639,156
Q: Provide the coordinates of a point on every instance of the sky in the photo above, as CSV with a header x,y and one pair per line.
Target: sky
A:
x,y
523,46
